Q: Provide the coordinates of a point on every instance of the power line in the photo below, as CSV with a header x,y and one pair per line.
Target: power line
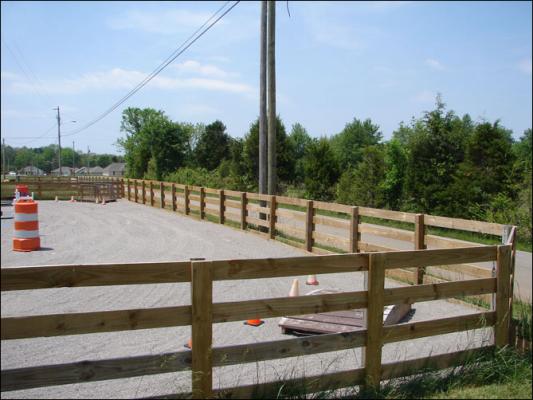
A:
x,y
180,50
38,137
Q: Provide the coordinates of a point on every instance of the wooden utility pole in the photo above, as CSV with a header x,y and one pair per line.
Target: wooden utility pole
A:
x,y
272,174
262,102
59,139
3,158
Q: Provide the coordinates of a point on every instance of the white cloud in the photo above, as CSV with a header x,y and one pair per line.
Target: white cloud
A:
x,y
435,64
525,66
166,22
202,69
118,78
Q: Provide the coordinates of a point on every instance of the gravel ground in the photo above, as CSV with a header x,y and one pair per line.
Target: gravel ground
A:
x,y
123,232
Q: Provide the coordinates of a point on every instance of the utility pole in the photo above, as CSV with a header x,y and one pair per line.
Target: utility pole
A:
x,y
88,163
262,102
272,174
73,156
4,158
59,138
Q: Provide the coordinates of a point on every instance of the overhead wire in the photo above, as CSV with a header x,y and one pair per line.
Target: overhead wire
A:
x,y
180,50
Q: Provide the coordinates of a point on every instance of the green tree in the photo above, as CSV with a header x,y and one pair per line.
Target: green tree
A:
x,y
363,185
284,158
395,164
299,140
212,146
321,170
348,145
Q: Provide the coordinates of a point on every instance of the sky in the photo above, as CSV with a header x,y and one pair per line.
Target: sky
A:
x,y
335,61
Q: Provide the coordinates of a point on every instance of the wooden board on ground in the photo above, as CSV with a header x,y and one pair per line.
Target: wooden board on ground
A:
x,y
338,321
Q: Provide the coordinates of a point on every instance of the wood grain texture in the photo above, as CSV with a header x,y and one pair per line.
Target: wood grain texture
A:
x,y
387,214
503,317
330,221
392,233
465,225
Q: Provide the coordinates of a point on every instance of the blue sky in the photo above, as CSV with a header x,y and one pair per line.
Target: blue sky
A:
x,y
335,62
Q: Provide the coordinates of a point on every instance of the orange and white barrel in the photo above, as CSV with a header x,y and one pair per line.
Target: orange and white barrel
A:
x,y
26,235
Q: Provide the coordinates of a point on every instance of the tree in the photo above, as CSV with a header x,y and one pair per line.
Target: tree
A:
x,y
321,170
363,185
393,184
213,146
349,144
285,163
152,139
299,140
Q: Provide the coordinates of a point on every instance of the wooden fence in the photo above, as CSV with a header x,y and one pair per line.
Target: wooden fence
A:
x,y
324,228
202,313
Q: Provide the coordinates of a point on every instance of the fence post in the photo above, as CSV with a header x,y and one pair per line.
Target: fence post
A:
x,y
162,194
243,210
187,201
221,208
129,194
121,188
202,329
151,187
309,225
420,232
143,191
272,227
135,189
503,286
202,202
374,335
173,192
354,229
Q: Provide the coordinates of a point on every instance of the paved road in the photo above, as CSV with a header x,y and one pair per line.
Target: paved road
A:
x,y
127,232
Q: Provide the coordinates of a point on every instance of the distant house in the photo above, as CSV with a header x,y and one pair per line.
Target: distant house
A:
x,y
31,170
115,169
65,171
81,171
96,170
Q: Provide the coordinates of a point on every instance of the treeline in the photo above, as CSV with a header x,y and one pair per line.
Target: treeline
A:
x,y
46,158
440,163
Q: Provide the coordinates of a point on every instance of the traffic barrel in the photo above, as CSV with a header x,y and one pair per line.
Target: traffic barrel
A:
x,y
26,235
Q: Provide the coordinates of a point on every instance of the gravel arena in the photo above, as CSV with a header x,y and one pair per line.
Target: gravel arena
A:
x,y
120,232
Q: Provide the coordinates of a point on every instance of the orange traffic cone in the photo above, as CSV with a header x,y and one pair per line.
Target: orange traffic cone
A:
x,y
254,322
295,289
188,344
311,280
72,199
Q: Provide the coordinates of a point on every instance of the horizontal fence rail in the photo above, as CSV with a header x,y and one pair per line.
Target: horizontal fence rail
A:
x,y
202,313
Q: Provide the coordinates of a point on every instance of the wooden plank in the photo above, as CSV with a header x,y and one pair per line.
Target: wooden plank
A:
x,y
293,266
424,258
161,195
232,217
151,188
309,225
129,189
355,236
291,242
272,220
331,240
387,214
257,196
232,203
187,200
330,221
202,203
143,192
272,350
93,322
221,208
232,193
43,277
293,201
243,210
374,342
419,239
392,233
413,294
440,242
257,221
462,270
465,225
193,197
135,190
258,209
285,213
173,194
411,367
441,326
202,329
92,371
211,191
318,250
322,205
503,270
291,230
363,246
286,306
